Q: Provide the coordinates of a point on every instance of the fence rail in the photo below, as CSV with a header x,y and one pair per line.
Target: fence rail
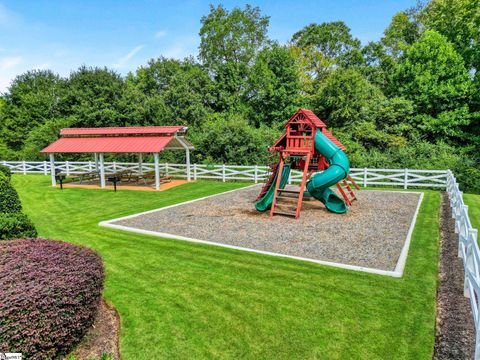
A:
x,y
468,250
365,177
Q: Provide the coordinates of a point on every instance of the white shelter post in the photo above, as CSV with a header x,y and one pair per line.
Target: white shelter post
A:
x,y
187,155
52,169
102,171
96,162
157,171
140,163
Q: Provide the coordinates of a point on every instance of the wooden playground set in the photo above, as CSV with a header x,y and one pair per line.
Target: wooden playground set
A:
x,y
309,147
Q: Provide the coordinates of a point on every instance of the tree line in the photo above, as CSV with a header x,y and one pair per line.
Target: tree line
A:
x,y
411,99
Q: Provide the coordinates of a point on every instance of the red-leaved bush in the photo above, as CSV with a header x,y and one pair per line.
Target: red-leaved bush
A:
x,y
49,293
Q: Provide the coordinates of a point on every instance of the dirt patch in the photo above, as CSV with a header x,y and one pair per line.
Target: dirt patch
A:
x,y
455,338
102,337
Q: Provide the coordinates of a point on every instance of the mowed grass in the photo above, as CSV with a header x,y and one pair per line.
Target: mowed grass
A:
x,y
473,202
182,300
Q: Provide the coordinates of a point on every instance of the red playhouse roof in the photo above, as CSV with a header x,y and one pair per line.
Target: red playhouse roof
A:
x,y
132,130
333,139
148,139
309,115
316,122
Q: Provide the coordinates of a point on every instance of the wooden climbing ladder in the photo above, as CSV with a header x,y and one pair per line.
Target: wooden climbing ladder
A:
x,y
285,194
345,189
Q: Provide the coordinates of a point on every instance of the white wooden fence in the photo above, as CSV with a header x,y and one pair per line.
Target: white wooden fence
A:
x,y
468,250
365,177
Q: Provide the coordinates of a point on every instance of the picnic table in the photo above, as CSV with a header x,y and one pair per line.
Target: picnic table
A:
x,y
125,176
129,176
91,175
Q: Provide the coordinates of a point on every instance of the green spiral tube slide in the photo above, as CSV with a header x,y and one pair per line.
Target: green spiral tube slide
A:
x,y
319,184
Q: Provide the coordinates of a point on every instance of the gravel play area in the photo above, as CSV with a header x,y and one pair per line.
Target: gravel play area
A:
x,y
371,234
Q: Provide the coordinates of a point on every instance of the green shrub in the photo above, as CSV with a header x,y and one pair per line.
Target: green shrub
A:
x,y
16,225
50,295
5,171
9,200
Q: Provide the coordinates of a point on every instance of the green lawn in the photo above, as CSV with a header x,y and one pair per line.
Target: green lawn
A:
x,y
473,202
182,300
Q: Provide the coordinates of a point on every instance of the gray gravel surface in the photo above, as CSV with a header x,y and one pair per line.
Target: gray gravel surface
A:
x,y
371,234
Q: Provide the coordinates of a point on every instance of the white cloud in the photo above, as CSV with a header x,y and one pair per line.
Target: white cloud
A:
x,y
8,70
123,61
160,34
7,17
10,62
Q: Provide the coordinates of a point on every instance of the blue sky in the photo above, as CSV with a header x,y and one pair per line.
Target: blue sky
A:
x,y
62,35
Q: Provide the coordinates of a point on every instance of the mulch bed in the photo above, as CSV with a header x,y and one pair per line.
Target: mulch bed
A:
x,y
455,338
372,233
102,337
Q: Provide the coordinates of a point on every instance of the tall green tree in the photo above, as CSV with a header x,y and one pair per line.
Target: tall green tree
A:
x,y
183,87
229,138
403,31
343,95
274,86
432,74
229,44
459,22
32,99
378,65
332,39
92,97
326,46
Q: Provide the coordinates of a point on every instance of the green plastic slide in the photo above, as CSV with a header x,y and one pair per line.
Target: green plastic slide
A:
x,y
319,184
266,201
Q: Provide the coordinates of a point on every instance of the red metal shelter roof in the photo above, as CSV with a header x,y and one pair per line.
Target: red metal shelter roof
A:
x,y
109,144
131,130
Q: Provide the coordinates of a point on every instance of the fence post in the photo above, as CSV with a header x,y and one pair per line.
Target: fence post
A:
x,y
223,172
67,168
166,169
114,166
195,171
89,166
468,261
365,177
405,180
24,166
45,168
255,174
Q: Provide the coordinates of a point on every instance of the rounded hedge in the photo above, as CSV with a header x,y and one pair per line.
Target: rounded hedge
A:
x,y
5,171
16,225
9,200
50,291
